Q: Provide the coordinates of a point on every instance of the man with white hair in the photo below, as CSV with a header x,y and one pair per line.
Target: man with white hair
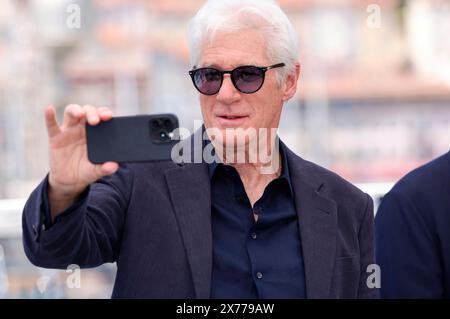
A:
x,y
274,227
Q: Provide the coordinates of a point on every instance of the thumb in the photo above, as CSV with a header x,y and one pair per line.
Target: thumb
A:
x,y
106,169
109,168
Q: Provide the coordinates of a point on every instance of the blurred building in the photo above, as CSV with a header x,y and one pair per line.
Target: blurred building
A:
x,y
360,81
371,105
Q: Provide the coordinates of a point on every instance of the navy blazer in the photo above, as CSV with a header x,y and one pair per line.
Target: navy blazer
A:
x,y
413,234
154,221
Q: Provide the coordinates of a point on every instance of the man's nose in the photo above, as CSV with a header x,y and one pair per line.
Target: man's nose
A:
x,y
228,93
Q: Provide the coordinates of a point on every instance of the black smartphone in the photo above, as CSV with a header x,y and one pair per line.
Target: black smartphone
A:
x,y
140,138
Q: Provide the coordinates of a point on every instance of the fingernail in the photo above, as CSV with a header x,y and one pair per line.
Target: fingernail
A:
x,y
93,119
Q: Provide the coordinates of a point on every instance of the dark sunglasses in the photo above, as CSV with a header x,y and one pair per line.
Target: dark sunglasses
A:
x,y
246,79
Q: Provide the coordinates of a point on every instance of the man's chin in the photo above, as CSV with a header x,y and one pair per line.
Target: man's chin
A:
x,y
234,139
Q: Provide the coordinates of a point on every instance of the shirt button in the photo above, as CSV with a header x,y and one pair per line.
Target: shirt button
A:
x,y
253,235
259,275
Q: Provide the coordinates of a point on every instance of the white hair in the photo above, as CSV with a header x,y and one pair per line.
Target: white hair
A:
x,y
265,16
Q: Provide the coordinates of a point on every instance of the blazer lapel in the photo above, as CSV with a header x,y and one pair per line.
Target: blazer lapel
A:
x,y
317,217
189,188
190,193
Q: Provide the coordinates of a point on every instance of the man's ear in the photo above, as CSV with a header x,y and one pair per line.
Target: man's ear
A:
x,y
290,84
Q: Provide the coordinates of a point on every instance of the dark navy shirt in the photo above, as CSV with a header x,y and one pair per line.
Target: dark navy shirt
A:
x,y
261,259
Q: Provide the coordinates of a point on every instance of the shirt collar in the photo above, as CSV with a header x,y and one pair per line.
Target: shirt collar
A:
x,y
285,174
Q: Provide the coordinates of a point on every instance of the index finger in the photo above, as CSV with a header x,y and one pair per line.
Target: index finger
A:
x,y
50,122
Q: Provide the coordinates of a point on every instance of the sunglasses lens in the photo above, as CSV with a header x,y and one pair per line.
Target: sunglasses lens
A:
x,y
207,81
248,79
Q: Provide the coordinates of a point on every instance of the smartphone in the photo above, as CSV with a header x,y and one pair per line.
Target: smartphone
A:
x,y
140,138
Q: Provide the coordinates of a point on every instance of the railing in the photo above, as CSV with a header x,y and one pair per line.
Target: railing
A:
x,y
11,209
11,217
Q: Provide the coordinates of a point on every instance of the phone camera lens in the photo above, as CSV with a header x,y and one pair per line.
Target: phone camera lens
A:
x,y
155,124
162,129
168,124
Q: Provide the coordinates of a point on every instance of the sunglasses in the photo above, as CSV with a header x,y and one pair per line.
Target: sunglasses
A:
x,y
246,79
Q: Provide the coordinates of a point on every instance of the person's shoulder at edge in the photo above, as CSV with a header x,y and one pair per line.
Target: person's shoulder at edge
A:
x,y
425,179
421,191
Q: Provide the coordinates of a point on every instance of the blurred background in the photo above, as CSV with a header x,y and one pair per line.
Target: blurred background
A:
x,y
373,100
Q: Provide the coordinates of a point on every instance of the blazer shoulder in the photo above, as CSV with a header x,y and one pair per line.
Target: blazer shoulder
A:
x,y
330,184
150,168
321,175
136,175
